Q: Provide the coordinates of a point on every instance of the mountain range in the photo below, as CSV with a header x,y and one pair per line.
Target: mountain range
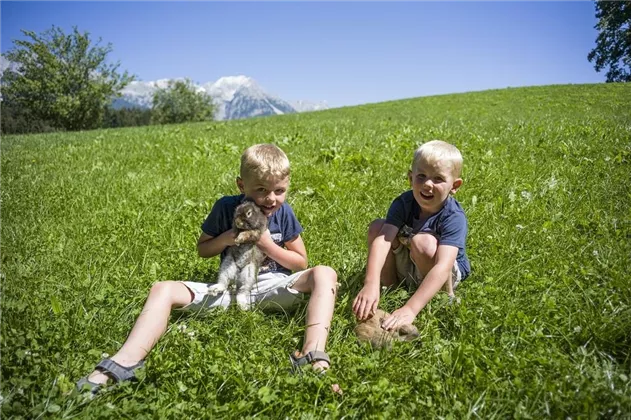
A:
x,y
235,97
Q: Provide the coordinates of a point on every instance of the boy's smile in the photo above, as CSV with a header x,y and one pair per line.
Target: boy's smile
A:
x,y
431,184
427,196
268,194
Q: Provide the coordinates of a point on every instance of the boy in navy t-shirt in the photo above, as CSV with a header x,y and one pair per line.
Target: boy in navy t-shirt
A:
x,y
282,280
436,257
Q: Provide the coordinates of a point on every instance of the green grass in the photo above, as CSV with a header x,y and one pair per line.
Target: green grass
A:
x,y
90,220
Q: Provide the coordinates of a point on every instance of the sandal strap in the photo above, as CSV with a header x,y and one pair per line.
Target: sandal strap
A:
x,y
84,384
311,357
118,372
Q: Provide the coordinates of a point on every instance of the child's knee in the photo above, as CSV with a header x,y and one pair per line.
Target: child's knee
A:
x,y
325,277
374,228
423,245
174,292
160,289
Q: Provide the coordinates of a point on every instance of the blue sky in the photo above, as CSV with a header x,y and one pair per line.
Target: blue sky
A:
x,y
343,53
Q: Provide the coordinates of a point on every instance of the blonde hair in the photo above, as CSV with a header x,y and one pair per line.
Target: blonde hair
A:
x,y
439,151
264,161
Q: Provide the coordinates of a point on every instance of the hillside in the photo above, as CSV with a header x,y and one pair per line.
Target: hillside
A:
x,y
90,220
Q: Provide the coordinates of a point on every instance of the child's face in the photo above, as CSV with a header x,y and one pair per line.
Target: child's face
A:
x,y
432,183
268,194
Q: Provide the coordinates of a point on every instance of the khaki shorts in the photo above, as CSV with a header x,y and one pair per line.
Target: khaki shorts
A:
x,y
409,276
273,291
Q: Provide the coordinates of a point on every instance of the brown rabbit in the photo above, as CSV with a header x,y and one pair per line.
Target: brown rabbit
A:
x,y
370,331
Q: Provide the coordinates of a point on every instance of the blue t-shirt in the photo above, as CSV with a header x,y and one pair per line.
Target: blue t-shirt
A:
x,y
283,226
448,225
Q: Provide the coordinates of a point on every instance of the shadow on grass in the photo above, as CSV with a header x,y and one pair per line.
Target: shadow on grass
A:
x,y
614,338
199,275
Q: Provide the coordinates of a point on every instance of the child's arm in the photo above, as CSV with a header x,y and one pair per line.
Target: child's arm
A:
x,y
293,258
433,281
209,246
367,300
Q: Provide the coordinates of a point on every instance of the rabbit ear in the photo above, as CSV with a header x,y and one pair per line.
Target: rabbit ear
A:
x,y
408,332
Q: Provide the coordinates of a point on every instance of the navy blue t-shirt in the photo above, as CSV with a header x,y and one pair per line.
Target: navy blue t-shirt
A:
x,y
448,225
283,226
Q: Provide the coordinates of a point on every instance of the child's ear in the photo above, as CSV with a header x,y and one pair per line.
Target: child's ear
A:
x,y
457,184
410,177
240,185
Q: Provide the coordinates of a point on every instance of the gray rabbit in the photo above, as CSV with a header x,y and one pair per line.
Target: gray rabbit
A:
x,y
405,235
242,261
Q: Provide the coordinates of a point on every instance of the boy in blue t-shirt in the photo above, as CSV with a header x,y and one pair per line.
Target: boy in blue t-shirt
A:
x,y
436,256
283,277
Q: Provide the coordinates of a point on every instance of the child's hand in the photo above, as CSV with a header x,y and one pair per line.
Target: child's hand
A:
x,y
228,237
265,242
365,304
401,316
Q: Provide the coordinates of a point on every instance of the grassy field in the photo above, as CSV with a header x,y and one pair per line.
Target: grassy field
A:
x,y
90,220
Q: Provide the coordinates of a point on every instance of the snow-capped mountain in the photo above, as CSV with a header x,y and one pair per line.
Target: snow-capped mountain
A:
x,y
247,103
241,97
235,97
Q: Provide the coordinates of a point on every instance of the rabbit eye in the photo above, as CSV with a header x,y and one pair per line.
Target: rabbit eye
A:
x,y
249,213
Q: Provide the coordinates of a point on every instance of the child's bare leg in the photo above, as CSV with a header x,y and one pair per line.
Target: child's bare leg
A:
x,y
389,270
449,286
150,325
321,283
423,252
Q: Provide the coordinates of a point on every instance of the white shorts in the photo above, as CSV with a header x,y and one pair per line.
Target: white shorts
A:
x,y
408,274
272,291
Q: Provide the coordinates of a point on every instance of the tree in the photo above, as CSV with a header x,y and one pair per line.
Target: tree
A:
x,y
180,102
613,45
61,79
